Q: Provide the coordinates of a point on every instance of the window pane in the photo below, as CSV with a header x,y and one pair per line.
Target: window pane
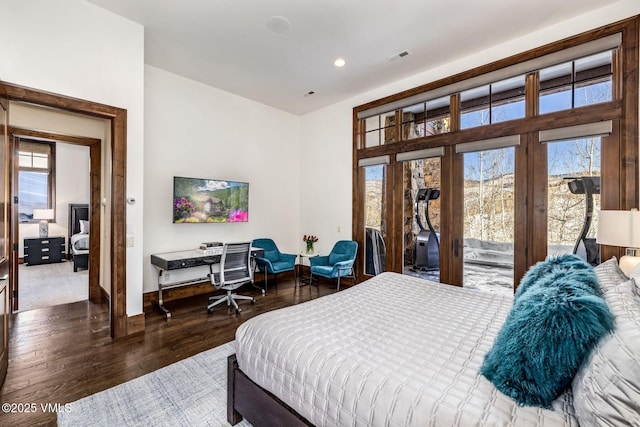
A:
x,y
555,100
421,180
507,99
33,193
374,217
40,161
372,123
388,123
24,159
593,93
475,118
508,110
438,116
371,139
474,107
573,197
489,220
413,121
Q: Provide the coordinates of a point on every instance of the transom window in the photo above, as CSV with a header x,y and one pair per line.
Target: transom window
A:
x,y
426,118
380,129
493,103
585,81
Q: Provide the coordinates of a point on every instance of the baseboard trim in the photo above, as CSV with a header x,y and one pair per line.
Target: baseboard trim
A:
x,y
104,295
151,298
135,324
186,291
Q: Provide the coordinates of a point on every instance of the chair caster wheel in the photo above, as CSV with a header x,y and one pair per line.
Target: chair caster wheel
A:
x,y
209,310
238,311
253,301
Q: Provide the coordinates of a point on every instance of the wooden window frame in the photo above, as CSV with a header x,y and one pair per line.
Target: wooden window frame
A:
x,y
619,160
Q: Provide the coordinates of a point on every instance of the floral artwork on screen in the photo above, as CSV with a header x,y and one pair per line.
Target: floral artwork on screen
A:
x,y
197,200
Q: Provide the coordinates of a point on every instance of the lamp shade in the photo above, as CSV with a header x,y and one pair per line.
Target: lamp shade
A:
x,y
619,228
43,214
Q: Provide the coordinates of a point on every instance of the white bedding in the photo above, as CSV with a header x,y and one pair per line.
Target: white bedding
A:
x,y
392,351
80,244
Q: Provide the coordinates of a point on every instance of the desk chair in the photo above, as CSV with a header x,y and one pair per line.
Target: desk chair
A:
x,y
233,271
339,262
273,262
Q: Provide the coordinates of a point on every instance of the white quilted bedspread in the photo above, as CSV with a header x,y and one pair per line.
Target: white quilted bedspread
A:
x,y
391,351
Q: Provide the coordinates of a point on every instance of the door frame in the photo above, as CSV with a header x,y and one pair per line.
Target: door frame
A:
x,y
95,186
118,174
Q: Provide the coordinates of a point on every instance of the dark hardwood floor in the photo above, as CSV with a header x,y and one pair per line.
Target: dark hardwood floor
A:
x,y
62,353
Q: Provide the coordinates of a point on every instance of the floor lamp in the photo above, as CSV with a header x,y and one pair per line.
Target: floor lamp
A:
x,y
44,215
621,228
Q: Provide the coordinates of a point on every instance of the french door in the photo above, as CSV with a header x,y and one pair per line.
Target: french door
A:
x,y
502,204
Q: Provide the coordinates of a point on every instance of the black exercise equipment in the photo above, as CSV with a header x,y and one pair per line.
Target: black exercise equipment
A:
x,y
586,248
427,244
375,251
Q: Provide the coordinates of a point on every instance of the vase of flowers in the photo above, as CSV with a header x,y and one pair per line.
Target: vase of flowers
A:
x,y
309,240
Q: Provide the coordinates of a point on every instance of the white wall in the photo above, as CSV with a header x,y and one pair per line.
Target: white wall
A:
x,y
195,130
327,133
74,48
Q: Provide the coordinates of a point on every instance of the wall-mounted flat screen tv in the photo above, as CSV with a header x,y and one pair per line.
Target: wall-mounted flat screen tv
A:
x,y
197,200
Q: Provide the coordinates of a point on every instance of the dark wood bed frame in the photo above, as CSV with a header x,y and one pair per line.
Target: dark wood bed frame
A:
x,y
246,399
77,212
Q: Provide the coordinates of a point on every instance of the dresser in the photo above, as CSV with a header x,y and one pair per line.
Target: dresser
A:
x,y
44,250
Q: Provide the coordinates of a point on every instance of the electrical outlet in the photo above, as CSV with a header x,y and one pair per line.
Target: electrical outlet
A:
x,y
129,241
338,229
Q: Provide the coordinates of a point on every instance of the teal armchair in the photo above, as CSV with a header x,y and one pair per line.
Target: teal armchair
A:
x,y
273,262
339,262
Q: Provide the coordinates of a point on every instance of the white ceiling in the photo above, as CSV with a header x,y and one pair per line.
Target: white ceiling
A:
x,y
227,44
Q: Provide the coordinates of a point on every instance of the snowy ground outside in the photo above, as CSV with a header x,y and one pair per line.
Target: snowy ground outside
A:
x,y
488,266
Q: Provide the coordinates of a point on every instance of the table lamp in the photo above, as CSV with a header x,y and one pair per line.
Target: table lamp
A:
x,y
621,228
44,215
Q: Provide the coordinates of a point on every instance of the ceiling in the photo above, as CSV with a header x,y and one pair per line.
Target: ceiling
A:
x,y
228,43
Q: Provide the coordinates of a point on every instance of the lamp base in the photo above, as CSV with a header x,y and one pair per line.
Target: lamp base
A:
x,y
44,229
628,262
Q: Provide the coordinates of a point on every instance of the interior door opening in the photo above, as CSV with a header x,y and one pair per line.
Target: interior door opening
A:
x,y
47,275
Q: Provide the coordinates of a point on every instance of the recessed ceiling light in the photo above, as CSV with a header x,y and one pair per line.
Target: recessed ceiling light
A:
x,y
339,62
278,24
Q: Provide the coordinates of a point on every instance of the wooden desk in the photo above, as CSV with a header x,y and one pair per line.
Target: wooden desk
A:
x,y
179,260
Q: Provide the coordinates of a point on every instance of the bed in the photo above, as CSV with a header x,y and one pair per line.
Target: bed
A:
x,y
79,235
394,351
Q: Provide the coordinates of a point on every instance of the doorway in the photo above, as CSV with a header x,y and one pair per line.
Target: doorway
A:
x,y
72,155
115,199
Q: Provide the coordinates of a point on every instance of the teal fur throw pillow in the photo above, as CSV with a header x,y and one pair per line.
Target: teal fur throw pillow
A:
x,y
553,325
558,267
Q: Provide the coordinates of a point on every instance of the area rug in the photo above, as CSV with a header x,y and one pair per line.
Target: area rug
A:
x,y
51,284
191,392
